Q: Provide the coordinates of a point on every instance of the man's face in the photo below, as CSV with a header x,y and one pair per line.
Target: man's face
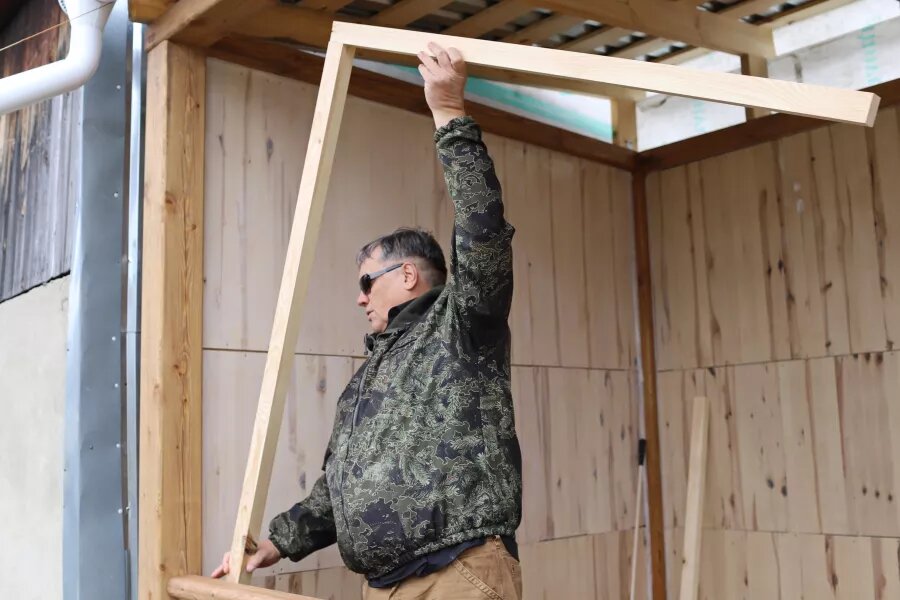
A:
x,y
388,290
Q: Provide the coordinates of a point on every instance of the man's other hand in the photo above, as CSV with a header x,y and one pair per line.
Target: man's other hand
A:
x,y
444,72
266,555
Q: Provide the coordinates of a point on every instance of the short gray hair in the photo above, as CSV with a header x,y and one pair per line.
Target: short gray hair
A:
x,y
408,243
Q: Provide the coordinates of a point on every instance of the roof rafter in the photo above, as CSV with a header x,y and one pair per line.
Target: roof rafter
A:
x,y
672,20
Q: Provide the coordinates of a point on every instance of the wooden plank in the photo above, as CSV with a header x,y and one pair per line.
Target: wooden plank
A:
x,y
624,122
404,12
756,66
648,377
202,22
541,30
672,21
326,5
147,11
298,266
590,41
489,18
278,59
171,322
819,101
741,136
193,587
693,525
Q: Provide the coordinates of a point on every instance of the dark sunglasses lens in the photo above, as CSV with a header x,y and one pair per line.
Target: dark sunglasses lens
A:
x,y
365,284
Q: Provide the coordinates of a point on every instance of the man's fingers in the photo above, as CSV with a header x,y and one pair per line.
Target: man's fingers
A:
x,y
443,59
428,62
456,59
424,72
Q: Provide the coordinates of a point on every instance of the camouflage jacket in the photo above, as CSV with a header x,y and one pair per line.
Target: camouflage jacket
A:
x,y
424,454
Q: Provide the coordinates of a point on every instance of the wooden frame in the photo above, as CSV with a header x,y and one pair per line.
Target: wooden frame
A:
x,y
816,101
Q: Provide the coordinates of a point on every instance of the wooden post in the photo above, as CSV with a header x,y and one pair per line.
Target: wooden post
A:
x,y
171,321
291,297
648,374
624,123
757,66
696,491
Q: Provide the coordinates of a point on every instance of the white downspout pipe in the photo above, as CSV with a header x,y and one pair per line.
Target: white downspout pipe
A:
x,y
88,20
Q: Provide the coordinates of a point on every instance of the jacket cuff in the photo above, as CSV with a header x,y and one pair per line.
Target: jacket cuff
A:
x,y
281,550
457,123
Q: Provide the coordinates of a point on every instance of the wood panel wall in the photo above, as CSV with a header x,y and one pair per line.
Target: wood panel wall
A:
x,y
776,274
39,157
572,321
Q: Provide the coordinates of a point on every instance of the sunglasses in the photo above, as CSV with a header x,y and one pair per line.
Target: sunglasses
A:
x,y
365,282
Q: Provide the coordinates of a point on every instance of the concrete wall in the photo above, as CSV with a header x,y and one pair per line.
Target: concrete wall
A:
x,y
32,398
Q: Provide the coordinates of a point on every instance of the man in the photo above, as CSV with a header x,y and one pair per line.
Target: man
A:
x,y
422,486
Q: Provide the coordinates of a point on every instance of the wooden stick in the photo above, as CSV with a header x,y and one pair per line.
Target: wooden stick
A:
x,y
693,520
642,449
294,284
833,104
194,587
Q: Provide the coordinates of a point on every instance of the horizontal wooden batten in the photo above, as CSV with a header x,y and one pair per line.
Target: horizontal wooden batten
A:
x,y
795,98
194,587
285,61
757,131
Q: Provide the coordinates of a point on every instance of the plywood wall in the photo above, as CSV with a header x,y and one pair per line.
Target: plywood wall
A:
x,y
776,274
572,320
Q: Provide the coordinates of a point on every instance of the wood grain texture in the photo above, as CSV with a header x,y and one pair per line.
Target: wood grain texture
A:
x,y
40,161
171,319
258,126
779,251
746,564
194,587
803,446
738,137
844,106
696,496
576,408
291,304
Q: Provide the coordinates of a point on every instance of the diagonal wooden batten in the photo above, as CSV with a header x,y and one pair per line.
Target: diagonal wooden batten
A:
x,y
833,104
288,310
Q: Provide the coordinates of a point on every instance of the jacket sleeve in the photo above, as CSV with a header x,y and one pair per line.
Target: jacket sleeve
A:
x,y
481,253
308,525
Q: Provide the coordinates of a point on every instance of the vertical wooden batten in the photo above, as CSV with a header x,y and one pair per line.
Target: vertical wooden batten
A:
x,y
648,376
172,317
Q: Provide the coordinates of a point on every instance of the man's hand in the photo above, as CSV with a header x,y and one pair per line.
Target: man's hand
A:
x,y
444,72
266,555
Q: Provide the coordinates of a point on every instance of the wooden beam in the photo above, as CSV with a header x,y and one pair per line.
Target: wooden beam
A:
x,y
789,97
648,377
203,22
490,18
588,42
288,62
757,66
640,48
193,587
751,133
673,21
291,297
696,493
312,28
405,12
543,29
147,11
172,318
624,122
326,5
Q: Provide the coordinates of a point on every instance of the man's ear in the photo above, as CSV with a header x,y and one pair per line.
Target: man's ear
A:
x,y
410,275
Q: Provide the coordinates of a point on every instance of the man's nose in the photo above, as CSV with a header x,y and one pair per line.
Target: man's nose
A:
x,y
362,299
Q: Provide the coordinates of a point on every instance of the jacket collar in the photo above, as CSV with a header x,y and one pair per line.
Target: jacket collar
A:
x,y
403,315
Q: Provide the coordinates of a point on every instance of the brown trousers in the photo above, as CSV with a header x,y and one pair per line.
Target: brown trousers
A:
x,y
486,571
